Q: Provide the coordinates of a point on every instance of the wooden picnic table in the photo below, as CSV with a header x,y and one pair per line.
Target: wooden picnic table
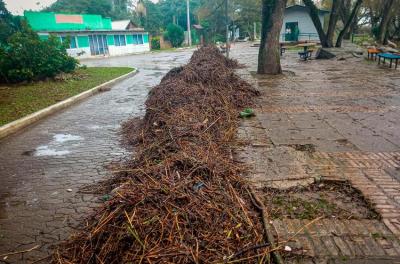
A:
x,y
306,45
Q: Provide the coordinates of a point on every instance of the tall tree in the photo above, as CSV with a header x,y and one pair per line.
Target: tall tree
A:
x,y
314,14
348,23
100,7
336,5
8,23
151,20
244,14
271,24
386,17
325,38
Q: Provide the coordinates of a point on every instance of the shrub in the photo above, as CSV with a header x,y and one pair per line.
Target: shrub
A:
x,y
175,35
155,43
24,57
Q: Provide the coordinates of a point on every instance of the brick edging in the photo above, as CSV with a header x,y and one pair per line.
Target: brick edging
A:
x,y
23,122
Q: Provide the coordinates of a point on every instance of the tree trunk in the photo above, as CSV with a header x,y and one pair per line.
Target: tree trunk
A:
x,y
336,5
269,61
352,28
383,26
349,22
344,11
317,23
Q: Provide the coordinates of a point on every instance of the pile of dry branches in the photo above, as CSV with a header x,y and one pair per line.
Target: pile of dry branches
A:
x,y
181,199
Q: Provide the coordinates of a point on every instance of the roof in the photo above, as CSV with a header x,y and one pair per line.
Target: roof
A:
x,y
120,24
50,21
125,25
305,8
90,31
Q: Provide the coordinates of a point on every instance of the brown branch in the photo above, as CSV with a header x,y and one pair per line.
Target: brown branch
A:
x,y
269,237
19,252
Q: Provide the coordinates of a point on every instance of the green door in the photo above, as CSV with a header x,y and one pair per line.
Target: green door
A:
x,y
292,31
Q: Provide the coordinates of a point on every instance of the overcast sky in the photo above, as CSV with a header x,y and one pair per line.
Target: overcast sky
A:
x,y
17,7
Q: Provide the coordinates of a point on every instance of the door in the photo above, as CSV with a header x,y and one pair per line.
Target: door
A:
x,y
292,31
98,45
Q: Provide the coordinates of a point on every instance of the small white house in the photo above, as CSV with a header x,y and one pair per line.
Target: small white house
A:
x,y
90,35
298,26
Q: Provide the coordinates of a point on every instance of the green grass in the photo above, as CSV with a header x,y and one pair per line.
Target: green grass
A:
x,y
17,101
359,39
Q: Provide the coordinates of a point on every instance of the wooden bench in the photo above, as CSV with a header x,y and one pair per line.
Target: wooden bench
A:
x,y
373,53
389,56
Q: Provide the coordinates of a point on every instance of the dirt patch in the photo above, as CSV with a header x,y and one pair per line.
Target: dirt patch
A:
x,y
329,199
310,148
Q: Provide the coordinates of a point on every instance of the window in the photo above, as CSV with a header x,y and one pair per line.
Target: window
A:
x,y
119,40
135,39
140,39
72,41
98,44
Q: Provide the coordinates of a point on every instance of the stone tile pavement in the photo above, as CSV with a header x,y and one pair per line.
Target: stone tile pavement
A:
x,y
349,111
43,167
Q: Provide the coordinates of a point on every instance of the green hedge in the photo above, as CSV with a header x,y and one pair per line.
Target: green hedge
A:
x,y
25,57
155,43
175,35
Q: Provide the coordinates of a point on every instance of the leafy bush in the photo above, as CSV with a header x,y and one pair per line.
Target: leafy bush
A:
x,y
155,43
24,57
175,35
219,38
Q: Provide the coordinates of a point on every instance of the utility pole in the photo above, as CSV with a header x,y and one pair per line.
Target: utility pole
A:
x,y
227,28
188,23
255,30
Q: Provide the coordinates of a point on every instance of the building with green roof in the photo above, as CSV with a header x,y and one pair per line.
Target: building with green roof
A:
x,y
90,35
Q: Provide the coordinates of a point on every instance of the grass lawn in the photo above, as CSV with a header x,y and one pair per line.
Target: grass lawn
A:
x,y
17,101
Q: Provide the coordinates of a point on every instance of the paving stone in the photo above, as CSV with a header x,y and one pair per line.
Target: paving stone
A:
x,y
34,200
351,115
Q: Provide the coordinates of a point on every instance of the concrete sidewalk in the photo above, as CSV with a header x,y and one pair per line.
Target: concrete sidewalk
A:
x,y
348,113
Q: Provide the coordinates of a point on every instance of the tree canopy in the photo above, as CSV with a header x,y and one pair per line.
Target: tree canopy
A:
x,y
24,56
380,17
108,8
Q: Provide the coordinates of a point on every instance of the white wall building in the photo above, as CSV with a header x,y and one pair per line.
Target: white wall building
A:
x,y
298,26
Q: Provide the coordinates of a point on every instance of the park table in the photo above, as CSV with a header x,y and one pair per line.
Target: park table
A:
x,y
389,56
306,52
373,53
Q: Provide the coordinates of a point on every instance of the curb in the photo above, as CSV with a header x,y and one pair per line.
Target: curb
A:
x,y
23,122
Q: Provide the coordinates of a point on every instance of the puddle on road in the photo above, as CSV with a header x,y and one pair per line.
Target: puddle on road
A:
x,y
55,147
46,151
61,138
93,127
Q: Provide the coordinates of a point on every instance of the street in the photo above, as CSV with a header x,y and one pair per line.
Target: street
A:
x,y
44,166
